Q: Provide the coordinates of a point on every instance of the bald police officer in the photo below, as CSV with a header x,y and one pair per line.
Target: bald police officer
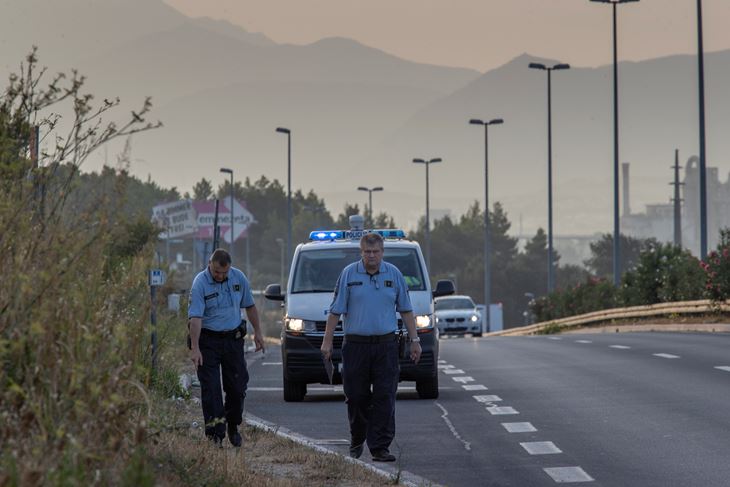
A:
x,y
216,332
368,294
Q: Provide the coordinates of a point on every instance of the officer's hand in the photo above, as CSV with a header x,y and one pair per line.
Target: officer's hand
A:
x,y
196,357
258,340
326,349
415,352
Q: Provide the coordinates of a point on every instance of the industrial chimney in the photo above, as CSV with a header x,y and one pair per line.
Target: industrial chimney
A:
x,y
625,189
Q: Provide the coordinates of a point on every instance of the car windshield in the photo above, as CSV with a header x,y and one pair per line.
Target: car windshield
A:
x,y
457,303
317,269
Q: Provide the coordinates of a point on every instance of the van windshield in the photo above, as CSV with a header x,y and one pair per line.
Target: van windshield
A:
x,y
317,270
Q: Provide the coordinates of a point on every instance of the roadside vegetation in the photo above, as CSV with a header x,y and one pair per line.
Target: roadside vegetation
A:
x,y
80,403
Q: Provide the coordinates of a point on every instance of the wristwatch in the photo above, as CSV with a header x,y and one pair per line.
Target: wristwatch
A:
x,y
416,340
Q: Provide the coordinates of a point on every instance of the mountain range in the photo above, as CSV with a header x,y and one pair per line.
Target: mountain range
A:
x,y
358,115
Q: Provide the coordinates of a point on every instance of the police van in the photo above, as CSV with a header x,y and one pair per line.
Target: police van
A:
x,y
316,265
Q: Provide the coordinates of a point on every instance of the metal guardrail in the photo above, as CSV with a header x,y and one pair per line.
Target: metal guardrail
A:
x,y
652,310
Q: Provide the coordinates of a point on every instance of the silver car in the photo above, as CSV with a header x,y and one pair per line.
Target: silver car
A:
x,y
457,315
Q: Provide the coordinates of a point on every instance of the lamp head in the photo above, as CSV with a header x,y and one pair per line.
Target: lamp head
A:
x,y
537,66
476,121
283,130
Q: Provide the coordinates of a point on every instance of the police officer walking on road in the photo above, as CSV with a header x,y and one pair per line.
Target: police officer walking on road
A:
x,y
216,333
368,293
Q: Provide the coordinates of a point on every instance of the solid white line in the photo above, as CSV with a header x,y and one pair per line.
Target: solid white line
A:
x,y
474,387
501,410
540,447
463,379
583,341
620,347
519,427
467,445
564,475
452,371
665,355
726,368
489,398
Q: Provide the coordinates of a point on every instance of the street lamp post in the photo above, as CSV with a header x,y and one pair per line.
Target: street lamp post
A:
x,y
551,269
427,163
487,238
233,235
703,154
286,131
370,199
616,230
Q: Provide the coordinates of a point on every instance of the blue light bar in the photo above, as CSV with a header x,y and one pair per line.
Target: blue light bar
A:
x,y
327,235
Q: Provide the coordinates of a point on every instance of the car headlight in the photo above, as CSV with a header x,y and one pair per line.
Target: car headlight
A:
x,y
293,324
423,321
436,319
474,318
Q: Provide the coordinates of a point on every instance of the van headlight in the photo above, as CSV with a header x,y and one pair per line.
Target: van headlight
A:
x,y
474,319
423,321
293,324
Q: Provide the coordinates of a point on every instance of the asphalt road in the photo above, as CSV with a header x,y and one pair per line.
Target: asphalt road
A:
x,y
630,409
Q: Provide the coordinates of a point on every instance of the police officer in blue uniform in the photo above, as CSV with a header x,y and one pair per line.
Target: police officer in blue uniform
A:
x,y
216,333
368,294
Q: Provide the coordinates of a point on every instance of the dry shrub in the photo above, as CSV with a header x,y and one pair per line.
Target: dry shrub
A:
x,y
73,329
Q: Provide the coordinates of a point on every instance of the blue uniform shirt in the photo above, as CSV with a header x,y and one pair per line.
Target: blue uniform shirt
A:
x,y
369,302
219,304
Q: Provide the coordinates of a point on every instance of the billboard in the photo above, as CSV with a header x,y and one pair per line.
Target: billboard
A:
x,y
194,219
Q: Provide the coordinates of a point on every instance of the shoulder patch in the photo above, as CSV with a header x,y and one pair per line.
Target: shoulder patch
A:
x,y
388,283
237,288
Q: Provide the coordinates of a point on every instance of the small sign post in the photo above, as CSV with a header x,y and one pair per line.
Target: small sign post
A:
x,y
156,278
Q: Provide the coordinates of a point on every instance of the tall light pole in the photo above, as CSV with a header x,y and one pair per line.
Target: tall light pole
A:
x,y
233,235
487,237
370,199
703,154
428,214
286,131
616,230
551,269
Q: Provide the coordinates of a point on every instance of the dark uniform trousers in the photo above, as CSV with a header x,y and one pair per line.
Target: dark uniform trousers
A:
x,y
222,352
370,379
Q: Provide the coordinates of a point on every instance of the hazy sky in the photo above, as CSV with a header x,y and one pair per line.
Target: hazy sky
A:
x,y
482,34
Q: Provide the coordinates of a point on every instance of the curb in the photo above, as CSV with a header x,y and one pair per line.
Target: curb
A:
x,y
406,478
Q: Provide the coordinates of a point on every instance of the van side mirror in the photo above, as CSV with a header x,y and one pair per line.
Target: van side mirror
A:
x,y
273,292
444,288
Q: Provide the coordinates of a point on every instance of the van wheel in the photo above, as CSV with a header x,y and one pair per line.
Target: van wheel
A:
x,y
429,388
294,391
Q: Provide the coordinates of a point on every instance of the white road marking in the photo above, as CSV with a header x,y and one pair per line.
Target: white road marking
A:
x,y
489,398
583,341
445,366
540,447
564,475
464,379
474,387
726,368
453,371
270,363
665,355
554,338
501,410
519,427
467,445
442,361
621,347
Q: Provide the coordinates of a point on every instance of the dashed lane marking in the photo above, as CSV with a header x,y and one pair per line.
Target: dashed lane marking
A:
x,y
583,341
665,355
540,447
726,368
554,338
453,371
501,410
464,379
524,427
564,475
474,387
488,398
442,361
620,347
445,366
270,363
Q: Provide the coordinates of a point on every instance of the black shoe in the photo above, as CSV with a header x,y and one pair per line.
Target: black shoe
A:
x,y
382,456
356,451
216,440
234,436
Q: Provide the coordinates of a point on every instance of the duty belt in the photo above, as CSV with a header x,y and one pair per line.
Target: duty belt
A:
x,y
388,337
235,333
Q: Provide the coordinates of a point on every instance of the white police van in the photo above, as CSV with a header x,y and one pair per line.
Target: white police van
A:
x,y
316,265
